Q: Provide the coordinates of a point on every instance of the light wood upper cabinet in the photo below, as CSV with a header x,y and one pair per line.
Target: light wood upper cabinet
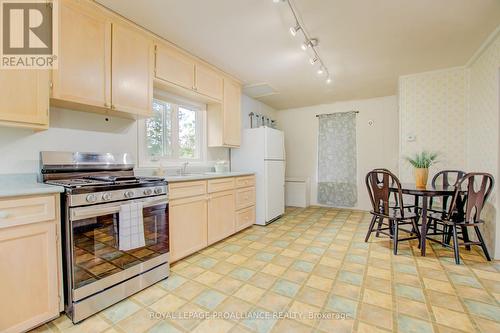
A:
x,y
208,82
84,72
132,70
232,113
24,98
174,67
221,216
29,262
224,120
187,226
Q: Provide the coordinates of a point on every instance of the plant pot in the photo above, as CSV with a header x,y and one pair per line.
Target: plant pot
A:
x,y
421,176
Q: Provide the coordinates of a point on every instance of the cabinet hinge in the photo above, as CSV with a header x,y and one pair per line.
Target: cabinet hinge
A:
x,y
51,84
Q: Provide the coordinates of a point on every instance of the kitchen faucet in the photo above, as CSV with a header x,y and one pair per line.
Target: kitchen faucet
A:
x,y
184,167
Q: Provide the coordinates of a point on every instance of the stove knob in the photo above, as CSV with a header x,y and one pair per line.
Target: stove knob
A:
x,y
148,191
91,198
129,194
106,196
158,190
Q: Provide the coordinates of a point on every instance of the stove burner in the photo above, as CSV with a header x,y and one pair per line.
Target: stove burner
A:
x,y
115,179
78,182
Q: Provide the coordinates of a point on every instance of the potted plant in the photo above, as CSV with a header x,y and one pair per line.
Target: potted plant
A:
x,y
421,162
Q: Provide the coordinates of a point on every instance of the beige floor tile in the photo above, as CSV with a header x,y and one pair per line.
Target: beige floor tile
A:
x,y
249,293
274,302
319,282
228,285
412,308
213,326
375,315
189,290
346,290
138,322
336,325
312,296
273,269
379,272
304,310
236,259
444,300
167,304
440,286
366,328
291,326
452,319
208,278
377,298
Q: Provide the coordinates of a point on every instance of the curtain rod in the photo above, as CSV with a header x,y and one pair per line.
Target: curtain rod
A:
x,y
327,114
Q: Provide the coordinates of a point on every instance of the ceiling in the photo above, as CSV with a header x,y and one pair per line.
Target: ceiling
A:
x,y
366,44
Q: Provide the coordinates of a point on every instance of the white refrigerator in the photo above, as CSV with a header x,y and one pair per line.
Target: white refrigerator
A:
x,y
262,151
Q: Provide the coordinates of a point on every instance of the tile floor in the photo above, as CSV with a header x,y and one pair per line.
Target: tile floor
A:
x,y
311,261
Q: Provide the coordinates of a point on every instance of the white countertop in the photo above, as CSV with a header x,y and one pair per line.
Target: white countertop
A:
x,y
12,185
205,175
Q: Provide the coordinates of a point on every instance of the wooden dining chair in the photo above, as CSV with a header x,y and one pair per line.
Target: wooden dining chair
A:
x,y
444,178
473,202
378,184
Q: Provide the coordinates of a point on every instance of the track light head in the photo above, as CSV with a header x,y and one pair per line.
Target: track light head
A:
x,y
278,1
312,61
321,70
294,30
328,80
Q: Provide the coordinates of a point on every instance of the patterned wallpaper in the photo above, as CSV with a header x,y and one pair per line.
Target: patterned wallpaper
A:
x,y
432,108
456,113
482,129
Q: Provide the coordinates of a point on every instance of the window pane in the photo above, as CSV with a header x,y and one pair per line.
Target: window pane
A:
x,y
187,133
158,131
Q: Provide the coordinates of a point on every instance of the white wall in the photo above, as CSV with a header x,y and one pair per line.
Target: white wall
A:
x,y
69,131
377,145
82,131
249,104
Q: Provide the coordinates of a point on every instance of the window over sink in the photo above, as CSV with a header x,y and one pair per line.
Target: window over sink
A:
x,y
175,132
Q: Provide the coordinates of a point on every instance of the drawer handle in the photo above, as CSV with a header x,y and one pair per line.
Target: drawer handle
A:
x,y
4,215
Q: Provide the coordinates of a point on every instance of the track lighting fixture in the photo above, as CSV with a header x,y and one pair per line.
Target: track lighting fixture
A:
x,y
309,44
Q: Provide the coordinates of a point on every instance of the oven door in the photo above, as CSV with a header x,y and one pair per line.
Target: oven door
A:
x,y
95,259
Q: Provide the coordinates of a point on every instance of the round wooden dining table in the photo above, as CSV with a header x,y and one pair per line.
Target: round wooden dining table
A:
x,y
424,193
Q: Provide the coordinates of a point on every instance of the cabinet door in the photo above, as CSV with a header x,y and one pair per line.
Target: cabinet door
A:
x,y
188,226
232,113
24,98
132,71
209,82
84,71
174,67
221,216
28,282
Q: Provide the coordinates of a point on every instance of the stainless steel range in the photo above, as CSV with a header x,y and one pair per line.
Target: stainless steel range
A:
x,y
115,228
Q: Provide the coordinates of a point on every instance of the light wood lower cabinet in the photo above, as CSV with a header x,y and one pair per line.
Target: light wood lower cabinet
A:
x,y
29,263
221,216
204,212
245,218
188,226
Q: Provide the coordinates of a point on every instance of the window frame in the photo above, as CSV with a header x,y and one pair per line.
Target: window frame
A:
x,y
201,129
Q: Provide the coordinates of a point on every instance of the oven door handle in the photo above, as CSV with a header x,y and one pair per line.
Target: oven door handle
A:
x,y
81,213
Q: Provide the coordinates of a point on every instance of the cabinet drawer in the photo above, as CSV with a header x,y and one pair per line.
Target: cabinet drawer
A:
x,y
245,181
221,184
187,189
27,210
245,197
245,218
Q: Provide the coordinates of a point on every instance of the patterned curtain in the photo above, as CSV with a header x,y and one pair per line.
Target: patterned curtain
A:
x,y
337,160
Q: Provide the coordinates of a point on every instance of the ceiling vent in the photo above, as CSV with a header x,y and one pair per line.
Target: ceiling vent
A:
x,y
259,90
